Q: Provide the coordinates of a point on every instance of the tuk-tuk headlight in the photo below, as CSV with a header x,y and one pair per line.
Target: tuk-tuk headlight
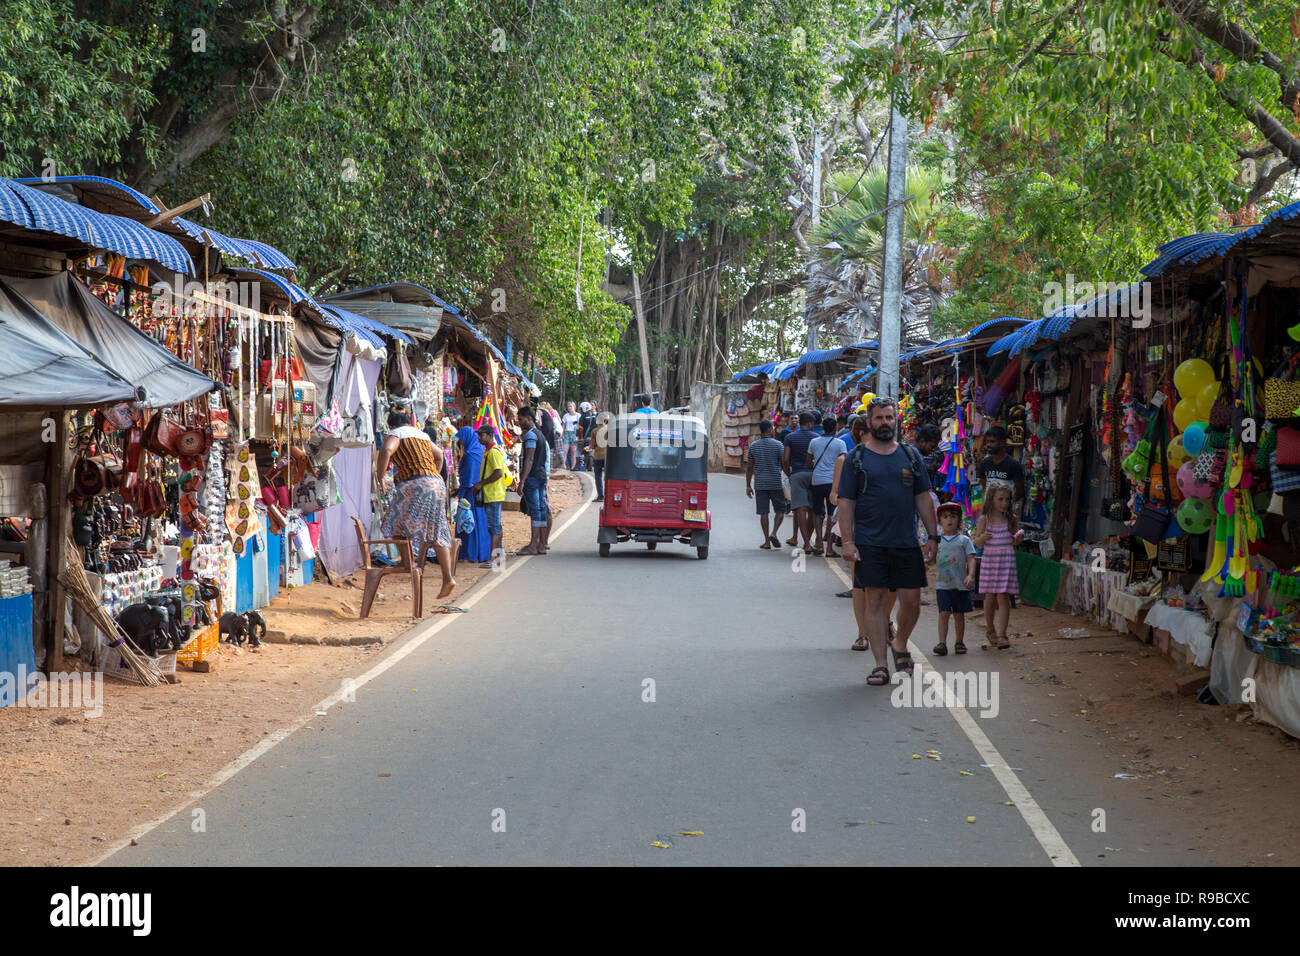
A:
x,y
695,499
618,497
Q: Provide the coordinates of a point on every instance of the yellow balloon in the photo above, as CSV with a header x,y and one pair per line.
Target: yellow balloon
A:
x,y
1177,454
1186,412
1206,398
1192,376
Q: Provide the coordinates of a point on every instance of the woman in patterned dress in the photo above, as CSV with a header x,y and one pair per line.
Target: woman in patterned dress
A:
x,y
997,532
418,511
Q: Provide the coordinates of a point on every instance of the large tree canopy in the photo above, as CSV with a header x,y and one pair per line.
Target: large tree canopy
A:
x,y
496,151
1080,136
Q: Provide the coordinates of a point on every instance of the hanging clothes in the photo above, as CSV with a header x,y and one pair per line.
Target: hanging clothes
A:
x,y
477,544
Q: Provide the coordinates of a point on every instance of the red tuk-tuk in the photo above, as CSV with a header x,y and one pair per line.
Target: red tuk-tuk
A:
x,y
656,482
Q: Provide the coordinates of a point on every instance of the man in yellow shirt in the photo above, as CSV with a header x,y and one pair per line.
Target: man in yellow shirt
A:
x,y
493,485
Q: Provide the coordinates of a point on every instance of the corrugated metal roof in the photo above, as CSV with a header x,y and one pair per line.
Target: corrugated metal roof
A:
x,y
1182,248
258,253
374,326
33,209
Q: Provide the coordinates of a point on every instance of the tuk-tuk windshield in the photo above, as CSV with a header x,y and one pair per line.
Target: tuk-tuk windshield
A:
x,y
662,457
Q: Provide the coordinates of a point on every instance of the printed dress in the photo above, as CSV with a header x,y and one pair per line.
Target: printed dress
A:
x,y
419,512
998,565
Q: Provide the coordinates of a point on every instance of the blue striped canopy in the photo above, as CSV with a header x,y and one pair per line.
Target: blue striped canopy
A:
x,y
32,209
1184,248
258,253
355,319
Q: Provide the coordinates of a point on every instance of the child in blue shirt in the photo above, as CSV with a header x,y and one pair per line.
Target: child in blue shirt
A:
x,y
956,573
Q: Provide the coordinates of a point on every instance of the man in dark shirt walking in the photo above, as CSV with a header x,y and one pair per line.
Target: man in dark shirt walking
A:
x,y
883,487
795,463
763,475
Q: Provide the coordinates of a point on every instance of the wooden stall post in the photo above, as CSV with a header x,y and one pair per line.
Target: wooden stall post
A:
x,y
60,527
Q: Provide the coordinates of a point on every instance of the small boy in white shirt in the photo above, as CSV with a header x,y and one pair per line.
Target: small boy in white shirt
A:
x,y
956,573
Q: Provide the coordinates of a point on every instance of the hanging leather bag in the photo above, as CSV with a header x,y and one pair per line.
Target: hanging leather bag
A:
x,y
398,373
162,434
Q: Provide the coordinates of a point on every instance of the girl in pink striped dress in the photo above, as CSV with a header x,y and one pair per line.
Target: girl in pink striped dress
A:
x,y
997,532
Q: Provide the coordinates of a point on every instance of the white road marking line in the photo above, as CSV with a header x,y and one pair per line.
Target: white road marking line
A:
x,y
410,644
1040,826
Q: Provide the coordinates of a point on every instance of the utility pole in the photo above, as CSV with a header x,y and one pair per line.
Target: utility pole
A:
x,y
891,297
640,331
814,266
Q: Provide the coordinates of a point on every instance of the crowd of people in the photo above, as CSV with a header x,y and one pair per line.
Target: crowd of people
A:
x,y
849,480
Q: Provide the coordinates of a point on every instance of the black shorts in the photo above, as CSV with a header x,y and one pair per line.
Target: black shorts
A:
x,y
821,495
892,568
775,498
953,600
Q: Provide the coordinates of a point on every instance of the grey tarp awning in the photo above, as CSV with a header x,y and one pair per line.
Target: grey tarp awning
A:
x,y
43,367
75,310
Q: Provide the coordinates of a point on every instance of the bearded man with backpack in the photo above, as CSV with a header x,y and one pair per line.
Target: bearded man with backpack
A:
x,y
883,487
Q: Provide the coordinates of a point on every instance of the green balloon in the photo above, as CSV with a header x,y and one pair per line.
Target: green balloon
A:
x,y
1195,515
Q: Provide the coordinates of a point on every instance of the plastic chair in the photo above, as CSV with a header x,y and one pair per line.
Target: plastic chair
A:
x,y
375,573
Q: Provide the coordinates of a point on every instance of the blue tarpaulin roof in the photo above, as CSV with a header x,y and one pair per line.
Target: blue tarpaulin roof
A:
x,y
1182,248
30,208
354,318
256,252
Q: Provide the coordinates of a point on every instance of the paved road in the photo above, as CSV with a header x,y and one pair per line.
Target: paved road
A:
x,y
528,713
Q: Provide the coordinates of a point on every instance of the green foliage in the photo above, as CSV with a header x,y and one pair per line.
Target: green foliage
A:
x,y
69,86
1079,137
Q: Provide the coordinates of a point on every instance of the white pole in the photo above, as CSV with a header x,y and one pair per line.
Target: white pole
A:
x,y
891,304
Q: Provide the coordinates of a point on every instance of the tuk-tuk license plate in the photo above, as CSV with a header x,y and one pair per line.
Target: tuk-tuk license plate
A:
x,y
693,516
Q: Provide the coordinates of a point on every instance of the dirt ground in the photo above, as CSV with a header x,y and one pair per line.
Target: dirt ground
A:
x,y
1215,769
70,786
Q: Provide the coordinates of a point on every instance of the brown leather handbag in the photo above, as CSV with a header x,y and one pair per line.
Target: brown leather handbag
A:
x,y
131,465
162,434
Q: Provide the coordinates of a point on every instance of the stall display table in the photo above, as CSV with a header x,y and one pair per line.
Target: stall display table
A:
x,y
17,654
1184,627
1131,607
1086,592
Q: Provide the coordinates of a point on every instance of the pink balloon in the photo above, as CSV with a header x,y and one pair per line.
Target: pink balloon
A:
x,y
1190,486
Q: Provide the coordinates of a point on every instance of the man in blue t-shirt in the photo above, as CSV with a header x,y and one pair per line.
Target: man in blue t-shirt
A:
x,y
883,487
536,470
794,462
643,400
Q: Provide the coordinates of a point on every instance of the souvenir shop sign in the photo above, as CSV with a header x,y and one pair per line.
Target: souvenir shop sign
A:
x,y
1075,441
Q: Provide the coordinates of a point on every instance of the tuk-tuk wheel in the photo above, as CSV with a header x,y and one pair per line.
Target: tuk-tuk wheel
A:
x,y
604,550
703,553
650,545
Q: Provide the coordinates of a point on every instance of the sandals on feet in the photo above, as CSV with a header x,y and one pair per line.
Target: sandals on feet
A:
x,y
941,649
879,677
1003,642
902,661
959,647
861,644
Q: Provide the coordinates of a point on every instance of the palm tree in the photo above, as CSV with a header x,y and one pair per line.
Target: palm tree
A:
x,y
848,247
